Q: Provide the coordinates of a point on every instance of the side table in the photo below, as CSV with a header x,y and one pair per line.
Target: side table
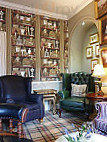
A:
x,y
50,95
92,97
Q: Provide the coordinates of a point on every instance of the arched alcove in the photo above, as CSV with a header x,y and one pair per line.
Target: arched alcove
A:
x,y
79,41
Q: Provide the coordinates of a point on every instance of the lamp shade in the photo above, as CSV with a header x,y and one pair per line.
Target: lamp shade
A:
x,y
98,71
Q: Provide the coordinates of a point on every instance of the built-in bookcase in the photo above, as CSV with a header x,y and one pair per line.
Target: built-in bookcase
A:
x,y
23,45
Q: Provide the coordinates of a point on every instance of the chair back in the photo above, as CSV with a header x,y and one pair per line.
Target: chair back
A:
x,y
15,87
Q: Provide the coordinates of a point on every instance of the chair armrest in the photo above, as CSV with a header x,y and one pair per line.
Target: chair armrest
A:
x,y
38,98
101,107
63,94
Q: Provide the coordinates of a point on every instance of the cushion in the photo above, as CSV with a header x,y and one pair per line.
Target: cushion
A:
x,y
13,88
78,90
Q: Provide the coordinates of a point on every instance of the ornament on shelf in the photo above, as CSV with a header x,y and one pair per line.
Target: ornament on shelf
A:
x,y
1,26
18,49
52,34
55,26
106,29
32,31
45,72
50,24
26,62
28,30
44,33
49,45
29,51
42,51
46,54
22,18
16,18
23,31
1,15
17,62
27,72
22,73
19,41
23,50
45,23
27,20
32,72
57,44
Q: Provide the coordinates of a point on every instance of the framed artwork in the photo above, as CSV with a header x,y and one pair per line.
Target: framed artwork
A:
x,y
97,47
89,52
100,8
93,63
103,29
104,56
94,38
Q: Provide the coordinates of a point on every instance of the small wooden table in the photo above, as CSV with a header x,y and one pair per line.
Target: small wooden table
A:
x,y
50,95
95,97
92,97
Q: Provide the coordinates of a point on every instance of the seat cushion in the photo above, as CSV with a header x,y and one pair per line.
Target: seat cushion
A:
x,y
13,88
73,102
31,105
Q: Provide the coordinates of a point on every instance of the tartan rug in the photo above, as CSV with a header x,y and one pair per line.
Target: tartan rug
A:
x,y
52,126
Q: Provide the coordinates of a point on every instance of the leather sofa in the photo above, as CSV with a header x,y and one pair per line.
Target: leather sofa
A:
x,y
75,103
17,90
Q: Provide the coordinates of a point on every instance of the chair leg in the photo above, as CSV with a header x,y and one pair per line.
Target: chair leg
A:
x,y
1,128
20,130
10,125
41,120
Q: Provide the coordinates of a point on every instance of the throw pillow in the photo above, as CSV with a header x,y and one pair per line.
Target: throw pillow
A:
x,y
78,90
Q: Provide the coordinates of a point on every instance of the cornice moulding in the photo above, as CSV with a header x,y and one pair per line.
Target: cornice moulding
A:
x,y
31,10
79,9
42,12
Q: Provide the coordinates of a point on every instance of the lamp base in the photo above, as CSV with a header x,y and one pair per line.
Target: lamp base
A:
x,y
100,93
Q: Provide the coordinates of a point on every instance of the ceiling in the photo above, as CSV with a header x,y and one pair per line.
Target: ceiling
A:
x,y
64,8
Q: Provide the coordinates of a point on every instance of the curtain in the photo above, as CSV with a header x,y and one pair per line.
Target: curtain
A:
x,y
2,53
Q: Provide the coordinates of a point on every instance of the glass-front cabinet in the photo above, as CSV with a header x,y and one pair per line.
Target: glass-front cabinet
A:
x,y
2,19
66,38
23,44
50,48
37,45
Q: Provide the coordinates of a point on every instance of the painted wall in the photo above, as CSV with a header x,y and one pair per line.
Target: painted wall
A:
x,y
86,63
87,12
77,36
76,50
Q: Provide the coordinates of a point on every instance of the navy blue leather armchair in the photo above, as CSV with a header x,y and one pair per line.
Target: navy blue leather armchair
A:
x,y
17,90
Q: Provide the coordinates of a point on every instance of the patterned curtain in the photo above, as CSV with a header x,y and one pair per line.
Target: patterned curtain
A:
x,y
2,53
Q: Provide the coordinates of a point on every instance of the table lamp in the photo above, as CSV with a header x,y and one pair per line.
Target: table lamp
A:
x,y
99,73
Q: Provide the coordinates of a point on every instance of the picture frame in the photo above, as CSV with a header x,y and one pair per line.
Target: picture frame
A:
x,y
93,63
100,8
103,30
89,52
97,48
94,38
103,53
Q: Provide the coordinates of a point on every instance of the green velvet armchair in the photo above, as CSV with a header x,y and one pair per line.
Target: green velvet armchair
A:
x,y
71,102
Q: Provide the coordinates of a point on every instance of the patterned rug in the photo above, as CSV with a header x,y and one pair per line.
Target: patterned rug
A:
x,y
52,126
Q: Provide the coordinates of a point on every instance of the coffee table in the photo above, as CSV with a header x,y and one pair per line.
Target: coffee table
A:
x,y
13,139
94,138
